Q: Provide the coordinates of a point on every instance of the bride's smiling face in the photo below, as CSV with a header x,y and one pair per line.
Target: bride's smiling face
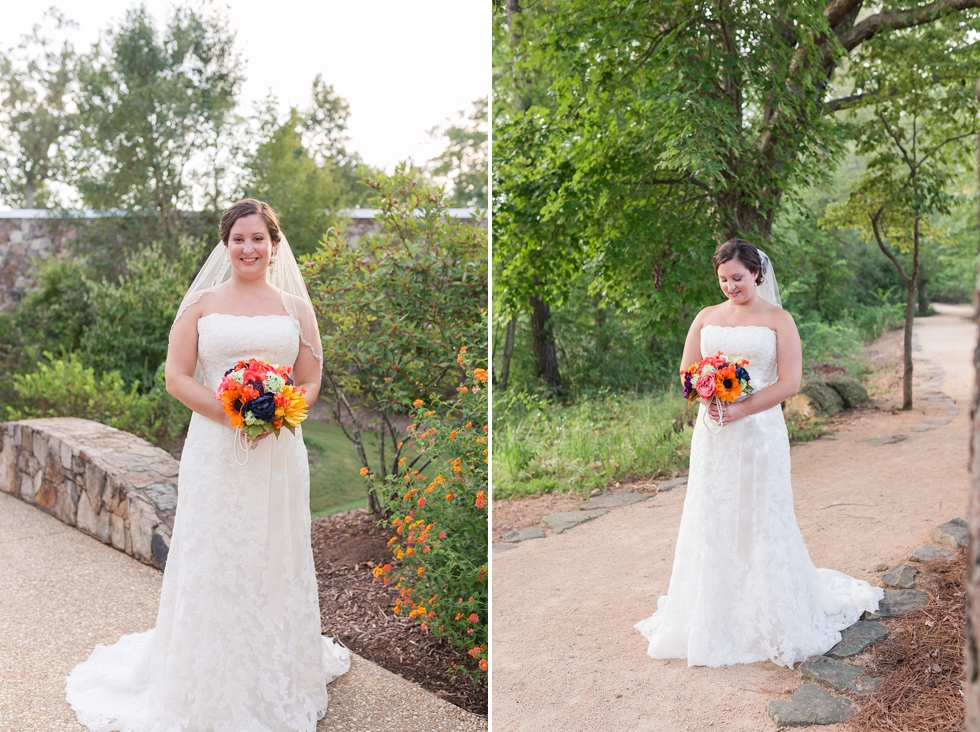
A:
x,y
249,245
736,281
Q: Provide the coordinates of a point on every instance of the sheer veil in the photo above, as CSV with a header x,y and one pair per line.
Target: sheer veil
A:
x,y
769,290
284,274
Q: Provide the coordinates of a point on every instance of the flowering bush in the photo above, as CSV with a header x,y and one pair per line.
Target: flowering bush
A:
x,y
439,513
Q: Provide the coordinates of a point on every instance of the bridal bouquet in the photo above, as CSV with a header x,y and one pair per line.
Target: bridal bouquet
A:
x,y
260,397
716,376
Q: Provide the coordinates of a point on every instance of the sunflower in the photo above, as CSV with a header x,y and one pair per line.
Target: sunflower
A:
x,y
727,386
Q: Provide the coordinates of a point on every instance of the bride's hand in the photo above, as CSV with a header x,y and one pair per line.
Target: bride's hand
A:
x,y
723,412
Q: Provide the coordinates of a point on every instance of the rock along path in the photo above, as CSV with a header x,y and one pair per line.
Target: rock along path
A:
x,y
62,592
564,647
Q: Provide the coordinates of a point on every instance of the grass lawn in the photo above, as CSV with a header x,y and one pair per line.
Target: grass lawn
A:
x,y
335,482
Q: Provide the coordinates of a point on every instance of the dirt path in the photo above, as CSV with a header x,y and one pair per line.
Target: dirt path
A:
x,y
564,647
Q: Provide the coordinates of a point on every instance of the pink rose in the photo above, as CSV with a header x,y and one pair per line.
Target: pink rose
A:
x,y
706,385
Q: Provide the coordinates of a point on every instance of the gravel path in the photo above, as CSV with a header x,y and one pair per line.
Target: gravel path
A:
x,y
62,592
564,647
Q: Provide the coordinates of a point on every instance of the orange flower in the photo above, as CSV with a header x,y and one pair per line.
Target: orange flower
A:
x,y
480,375
473,618
481,499
364,471
727,386
417,403
475,651
483,664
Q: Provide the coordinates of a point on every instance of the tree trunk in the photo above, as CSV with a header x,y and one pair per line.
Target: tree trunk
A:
x,y
923,306
972,682
508,353
910,296
545,355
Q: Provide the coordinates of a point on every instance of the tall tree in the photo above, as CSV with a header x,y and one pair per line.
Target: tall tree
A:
x,y
917,137
465,162
152,101
307,196
673,126
37,82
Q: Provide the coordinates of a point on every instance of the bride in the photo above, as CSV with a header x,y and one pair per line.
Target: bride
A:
x,y
237,644
743,587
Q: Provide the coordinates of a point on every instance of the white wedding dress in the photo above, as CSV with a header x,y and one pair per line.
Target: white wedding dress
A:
x,y
743,587
218,660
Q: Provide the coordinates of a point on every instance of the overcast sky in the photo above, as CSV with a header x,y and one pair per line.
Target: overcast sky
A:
x,y
403,67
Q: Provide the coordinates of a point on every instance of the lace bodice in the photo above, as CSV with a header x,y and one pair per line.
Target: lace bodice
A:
x,y
223,340
753,342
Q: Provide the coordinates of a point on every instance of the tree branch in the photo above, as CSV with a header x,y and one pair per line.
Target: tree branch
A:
x,y
913,168
884,247
837,10
899,19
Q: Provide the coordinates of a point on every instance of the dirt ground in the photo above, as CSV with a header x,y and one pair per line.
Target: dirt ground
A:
x,y
563,644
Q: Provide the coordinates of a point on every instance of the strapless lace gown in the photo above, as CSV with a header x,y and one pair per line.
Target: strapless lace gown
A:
x,y
743,587
218,660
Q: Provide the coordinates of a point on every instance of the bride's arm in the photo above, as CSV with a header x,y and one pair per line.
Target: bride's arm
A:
x,y
306,371
692,345
181,362
789,362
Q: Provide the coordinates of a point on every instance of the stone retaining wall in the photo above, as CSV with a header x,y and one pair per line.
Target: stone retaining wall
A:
x,y
112,485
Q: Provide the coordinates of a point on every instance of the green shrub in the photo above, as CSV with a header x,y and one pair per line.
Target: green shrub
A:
x,y
440,514
539,447
131,316
68,388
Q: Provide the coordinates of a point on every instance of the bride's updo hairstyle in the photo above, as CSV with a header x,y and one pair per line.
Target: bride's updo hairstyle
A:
x,y
247,207
738,249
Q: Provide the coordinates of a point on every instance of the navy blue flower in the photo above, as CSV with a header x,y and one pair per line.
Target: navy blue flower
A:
x,y
741,373
263,407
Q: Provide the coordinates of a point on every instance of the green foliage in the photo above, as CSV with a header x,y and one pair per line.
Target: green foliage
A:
x,y
67,388
35,115
440,515
132,316
394,306
151,100
539,447
465,163
334,481
286,176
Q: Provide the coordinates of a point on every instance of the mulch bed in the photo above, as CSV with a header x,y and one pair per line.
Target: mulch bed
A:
x,y
922,660
356,610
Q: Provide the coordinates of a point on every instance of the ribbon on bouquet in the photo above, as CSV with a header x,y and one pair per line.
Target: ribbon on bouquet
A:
x,y
284,515
753,489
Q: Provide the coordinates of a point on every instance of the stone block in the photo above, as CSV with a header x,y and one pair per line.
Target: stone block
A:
x,y
825,396
116,491
671,484
66,456
901,576
851,392
614,500
801,405
87,520
838,675
525,534
26,462
53,472
39,448
142,523
857,638
901,602
561,522
46,496
500,548
66,501
28,489
930,553
94,483
954,534
117,531
810,705
160,546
